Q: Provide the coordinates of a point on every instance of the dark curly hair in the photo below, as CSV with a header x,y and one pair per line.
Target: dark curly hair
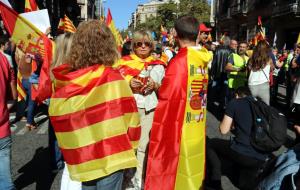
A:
x,y
93,43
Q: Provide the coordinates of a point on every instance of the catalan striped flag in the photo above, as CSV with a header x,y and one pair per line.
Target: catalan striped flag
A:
x,y
176,158
110,23
66,25
30,5
95,120
131,65
20,90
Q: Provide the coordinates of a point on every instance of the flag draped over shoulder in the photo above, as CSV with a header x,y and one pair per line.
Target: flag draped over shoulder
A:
x,y
176,158
131,65
110,23
30,5
95,120
31,40
66,25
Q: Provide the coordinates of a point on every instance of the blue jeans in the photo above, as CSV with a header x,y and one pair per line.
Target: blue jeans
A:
x,y
56,157
111,182
31,104
5,158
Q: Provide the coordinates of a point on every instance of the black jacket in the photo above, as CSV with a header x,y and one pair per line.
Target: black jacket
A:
x,y
219,62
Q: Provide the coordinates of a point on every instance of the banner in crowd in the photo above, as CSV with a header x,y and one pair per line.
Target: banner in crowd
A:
x,y
66,25
30,5
110,23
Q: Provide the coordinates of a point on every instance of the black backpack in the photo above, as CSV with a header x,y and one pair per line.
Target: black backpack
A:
x,y
269,130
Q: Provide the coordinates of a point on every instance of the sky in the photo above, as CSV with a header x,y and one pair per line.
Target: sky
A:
x,y
121,10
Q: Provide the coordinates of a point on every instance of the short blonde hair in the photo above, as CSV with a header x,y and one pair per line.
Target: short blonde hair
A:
x,y
93,44
140,35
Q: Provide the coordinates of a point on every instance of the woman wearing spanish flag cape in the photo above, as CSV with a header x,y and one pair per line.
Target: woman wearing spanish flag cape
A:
x,y
176,158
93,111
144,74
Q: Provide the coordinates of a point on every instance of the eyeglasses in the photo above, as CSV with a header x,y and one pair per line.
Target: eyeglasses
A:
x,y
140,44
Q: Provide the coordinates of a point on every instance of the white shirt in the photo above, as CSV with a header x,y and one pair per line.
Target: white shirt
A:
x,y
169,53
296,95
259,77
149,102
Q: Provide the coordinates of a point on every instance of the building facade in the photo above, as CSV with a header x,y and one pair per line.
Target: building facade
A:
x,y
238,18
145,11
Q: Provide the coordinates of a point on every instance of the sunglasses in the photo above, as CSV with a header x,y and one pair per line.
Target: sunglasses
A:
x,y
140,44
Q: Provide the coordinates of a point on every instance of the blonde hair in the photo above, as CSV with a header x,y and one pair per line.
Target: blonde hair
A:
x,y
63,46
140,35
93,44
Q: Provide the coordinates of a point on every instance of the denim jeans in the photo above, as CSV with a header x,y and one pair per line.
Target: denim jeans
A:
x,y
5,158
56,157
31,104
111,182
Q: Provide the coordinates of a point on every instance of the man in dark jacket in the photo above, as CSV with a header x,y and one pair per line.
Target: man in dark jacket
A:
x,y
218,74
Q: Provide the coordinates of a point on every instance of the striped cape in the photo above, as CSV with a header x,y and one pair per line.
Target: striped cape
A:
x,y
131,65
95,120
176,158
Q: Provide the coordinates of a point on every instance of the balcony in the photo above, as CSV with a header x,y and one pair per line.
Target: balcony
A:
x,y
239,9
281,10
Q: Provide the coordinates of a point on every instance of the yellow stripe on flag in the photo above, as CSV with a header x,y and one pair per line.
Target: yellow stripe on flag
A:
x,y
298,41
191,164
94,133
59,106
100,167
20,90
82,80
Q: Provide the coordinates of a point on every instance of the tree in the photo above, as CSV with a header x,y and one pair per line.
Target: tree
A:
x,y
167,14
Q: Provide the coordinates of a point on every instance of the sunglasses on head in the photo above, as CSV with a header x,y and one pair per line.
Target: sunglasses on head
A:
x,y
140,44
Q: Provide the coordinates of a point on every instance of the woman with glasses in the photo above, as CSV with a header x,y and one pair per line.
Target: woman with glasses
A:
x,y
144,74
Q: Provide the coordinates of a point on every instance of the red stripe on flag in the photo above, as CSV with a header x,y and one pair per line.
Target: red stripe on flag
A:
x,y
126,70
101,149
108,17
134,133
92,115
127,58
9,17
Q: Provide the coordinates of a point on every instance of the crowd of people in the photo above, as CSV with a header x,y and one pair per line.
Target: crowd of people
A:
x,y
136,119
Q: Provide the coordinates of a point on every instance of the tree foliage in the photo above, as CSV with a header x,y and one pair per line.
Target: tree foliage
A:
x,y
167,14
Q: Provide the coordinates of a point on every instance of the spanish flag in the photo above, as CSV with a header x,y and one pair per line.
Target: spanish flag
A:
x,y
30,5
95,120
111,25
31,40
176,158
130,66
66,25
24,34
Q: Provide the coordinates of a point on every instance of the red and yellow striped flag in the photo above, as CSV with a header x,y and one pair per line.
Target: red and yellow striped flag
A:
x,y
20,90
66,25
30,5
131,65
176,158
110,23
96,134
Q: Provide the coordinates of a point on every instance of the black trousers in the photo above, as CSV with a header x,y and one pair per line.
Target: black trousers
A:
x,y
218,152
